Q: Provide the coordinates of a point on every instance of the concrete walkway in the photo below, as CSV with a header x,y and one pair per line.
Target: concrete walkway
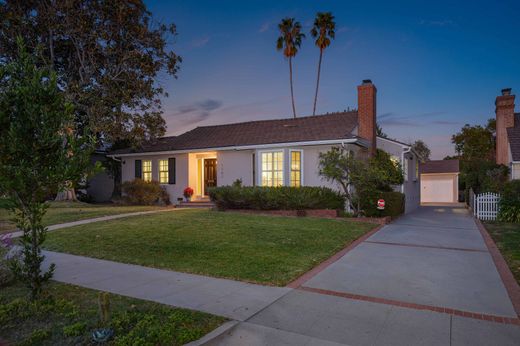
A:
x,y
427,279
96,219
232,299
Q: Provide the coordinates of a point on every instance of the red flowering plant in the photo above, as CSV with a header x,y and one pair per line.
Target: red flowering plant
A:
x,y
188,192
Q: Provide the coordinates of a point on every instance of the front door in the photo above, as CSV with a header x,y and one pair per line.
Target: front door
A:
x,y
210,174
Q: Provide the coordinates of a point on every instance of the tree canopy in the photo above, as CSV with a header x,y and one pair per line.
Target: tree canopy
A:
x,y
422,150
107,56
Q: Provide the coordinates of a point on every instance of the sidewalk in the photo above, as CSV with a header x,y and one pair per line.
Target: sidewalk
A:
x,y
17,234
232,299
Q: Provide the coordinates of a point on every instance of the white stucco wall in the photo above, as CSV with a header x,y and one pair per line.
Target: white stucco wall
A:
x,y
233,165
181,163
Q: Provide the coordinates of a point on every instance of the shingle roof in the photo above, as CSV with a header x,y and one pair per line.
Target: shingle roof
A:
x,y
513,134
311,128
440,166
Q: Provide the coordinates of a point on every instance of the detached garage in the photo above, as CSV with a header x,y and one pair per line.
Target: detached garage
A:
x,y
439,181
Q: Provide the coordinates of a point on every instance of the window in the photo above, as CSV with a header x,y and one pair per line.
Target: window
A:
x,y
147,170
296,169
272,168
163,172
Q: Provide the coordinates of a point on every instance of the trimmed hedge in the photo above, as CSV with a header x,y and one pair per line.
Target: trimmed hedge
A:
x,y
276,198
509,205
394,204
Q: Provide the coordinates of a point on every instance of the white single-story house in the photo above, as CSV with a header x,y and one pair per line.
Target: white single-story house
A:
x,y
280,152
507,133
439,181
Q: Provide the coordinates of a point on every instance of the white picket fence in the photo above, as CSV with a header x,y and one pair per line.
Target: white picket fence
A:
x,y
485,206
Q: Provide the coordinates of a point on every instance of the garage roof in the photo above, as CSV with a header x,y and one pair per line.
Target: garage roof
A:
x,y
440,166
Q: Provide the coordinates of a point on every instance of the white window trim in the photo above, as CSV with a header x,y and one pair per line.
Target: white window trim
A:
x,y
159,170
259,165
302,179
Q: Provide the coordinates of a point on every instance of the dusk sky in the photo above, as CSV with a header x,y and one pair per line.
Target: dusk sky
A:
x,y
437,65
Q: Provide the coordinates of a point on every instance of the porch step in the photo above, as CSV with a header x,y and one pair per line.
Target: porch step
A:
x,y
196,204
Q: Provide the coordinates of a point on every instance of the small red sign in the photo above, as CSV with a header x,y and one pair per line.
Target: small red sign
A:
x,y
381,204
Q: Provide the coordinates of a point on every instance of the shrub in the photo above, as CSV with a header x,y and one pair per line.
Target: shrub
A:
x,y
509,206
276,198
143,192
394,204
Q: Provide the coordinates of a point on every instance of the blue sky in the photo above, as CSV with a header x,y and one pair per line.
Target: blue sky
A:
x,y
437,65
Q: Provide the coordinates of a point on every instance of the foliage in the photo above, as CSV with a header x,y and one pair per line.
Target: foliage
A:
x,y
240,246
276,198
394,204
289,42
140,192
422,150
509,207
323,31
66,315
106,55
7,256
360,177
483,175
475,143
40,150
380,132
104,308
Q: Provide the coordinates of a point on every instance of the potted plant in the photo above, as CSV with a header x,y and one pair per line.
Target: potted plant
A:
x,y
188,192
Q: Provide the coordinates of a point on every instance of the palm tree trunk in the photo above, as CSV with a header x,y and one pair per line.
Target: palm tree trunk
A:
x,y
317,83
292,93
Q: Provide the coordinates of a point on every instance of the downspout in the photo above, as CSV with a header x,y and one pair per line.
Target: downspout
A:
x,y
402,162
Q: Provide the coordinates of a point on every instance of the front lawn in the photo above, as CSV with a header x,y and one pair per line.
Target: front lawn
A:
x,y
62,212
507,238
68,314
254,248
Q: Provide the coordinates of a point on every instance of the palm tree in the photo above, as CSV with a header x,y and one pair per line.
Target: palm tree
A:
x,y
323,32
289,41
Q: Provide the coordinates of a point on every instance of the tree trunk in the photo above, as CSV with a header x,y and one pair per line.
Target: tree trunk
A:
x,y
317,83
291,82
68,194
116,174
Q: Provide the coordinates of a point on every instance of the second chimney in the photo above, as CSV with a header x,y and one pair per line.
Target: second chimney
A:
x,y
367,113
505,116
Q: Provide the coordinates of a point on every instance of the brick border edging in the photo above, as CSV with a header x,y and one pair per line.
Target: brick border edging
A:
x,y
320,267
455,312
512,287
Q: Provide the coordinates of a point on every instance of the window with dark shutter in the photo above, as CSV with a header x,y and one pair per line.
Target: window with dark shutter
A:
x,y
171,170
138,169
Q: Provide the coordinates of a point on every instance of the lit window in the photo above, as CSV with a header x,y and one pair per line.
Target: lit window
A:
x,y
395,160
296,168
147,170
272,168
163,171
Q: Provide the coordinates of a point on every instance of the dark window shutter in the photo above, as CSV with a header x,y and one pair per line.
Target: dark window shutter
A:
x,y
171,170
138,169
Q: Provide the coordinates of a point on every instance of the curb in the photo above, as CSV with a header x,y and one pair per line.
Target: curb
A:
x,y
509,281
215,333
320,267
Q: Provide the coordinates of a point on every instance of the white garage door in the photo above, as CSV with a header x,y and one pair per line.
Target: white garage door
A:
x,y
437,189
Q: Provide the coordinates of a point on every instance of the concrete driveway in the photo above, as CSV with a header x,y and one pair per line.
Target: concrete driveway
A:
x,y
426,279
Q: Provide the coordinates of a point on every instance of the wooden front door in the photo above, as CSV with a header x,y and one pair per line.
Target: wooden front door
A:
x,y
210,174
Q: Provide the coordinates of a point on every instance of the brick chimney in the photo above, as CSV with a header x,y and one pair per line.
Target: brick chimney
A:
x,y
505,116
367,113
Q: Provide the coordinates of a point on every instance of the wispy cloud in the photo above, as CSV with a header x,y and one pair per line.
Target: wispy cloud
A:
x,y
200,42
196,112
264,27
440,23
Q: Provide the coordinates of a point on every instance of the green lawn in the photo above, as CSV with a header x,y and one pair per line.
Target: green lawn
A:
x,y
253,248
61,212
507,238
68,314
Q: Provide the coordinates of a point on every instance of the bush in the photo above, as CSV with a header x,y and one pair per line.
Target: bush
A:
x,y
141,192
394,204
509,206
276,198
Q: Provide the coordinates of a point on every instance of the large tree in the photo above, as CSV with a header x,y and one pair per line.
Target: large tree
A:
x,y
108,56
40,149
289,42
323,31
422,150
